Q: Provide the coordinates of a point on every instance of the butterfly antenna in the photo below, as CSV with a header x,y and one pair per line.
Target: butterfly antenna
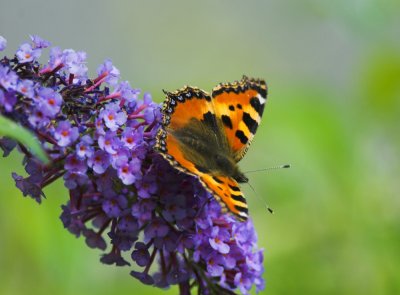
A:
x,y
261,199
270,168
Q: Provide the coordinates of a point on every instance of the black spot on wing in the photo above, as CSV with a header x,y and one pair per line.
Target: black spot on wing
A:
x,y
257,106
227,121
250,122
242,137
209,119
239,106
234,188
217,179
202,169
239,198
231,107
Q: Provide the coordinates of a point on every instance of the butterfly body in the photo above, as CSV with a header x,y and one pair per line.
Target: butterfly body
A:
x,y
206,135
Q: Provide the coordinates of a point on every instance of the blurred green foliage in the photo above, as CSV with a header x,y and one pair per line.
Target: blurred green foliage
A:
x,y
333,69
15,131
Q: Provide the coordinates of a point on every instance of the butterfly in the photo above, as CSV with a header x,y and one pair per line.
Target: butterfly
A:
x,y
206,135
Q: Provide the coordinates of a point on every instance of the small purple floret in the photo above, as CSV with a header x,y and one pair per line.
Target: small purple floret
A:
x,y
65,134
3,43
26,53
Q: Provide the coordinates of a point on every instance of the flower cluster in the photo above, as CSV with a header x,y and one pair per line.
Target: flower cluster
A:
x,y
99,134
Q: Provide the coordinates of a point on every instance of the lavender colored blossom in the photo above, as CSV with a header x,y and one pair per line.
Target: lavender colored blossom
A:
x,y
219,240
75,63
113,116
49,101
8,78
110,72
26,88
3,43
65,133
84,148
128,172
109,142
38,42
74,164
26,53
99,162
8,99
124,198
126,92
7,145
55,58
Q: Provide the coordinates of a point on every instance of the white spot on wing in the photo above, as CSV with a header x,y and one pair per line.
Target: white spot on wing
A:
x,y
242,214
261,99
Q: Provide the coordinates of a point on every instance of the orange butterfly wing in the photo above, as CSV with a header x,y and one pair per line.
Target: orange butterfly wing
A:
x,y
240,106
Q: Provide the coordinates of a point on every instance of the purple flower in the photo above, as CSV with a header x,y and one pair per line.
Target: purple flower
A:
x,y
113,206
145,278
26,88
147,186
94,240
109,142
128,172
28,187
39,42
132,137
110,71
56,58
26,53
75,63
218,240
243,282
157,228
3,43
49,101
75,164
72,180
141,255
38,119
99,162
8,78
65,134
7,145
84,148
113,116
72,62
127,93
8,99
215,266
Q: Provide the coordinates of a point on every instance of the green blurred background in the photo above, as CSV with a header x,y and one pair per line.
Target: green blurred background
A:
x,y
333,68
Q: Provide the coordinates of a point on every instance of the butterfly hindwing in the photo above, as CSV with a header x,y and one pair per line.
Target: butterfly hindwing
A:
x,y
226,190
240,106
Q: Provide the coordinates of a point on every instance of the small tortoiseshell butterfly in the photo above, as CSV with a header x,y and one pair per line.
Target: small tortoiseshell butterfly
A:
x,y
207,135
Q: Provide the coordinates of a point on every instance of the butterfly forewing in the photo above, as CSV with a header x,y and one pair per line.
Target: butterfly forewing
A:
x,y
240,106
